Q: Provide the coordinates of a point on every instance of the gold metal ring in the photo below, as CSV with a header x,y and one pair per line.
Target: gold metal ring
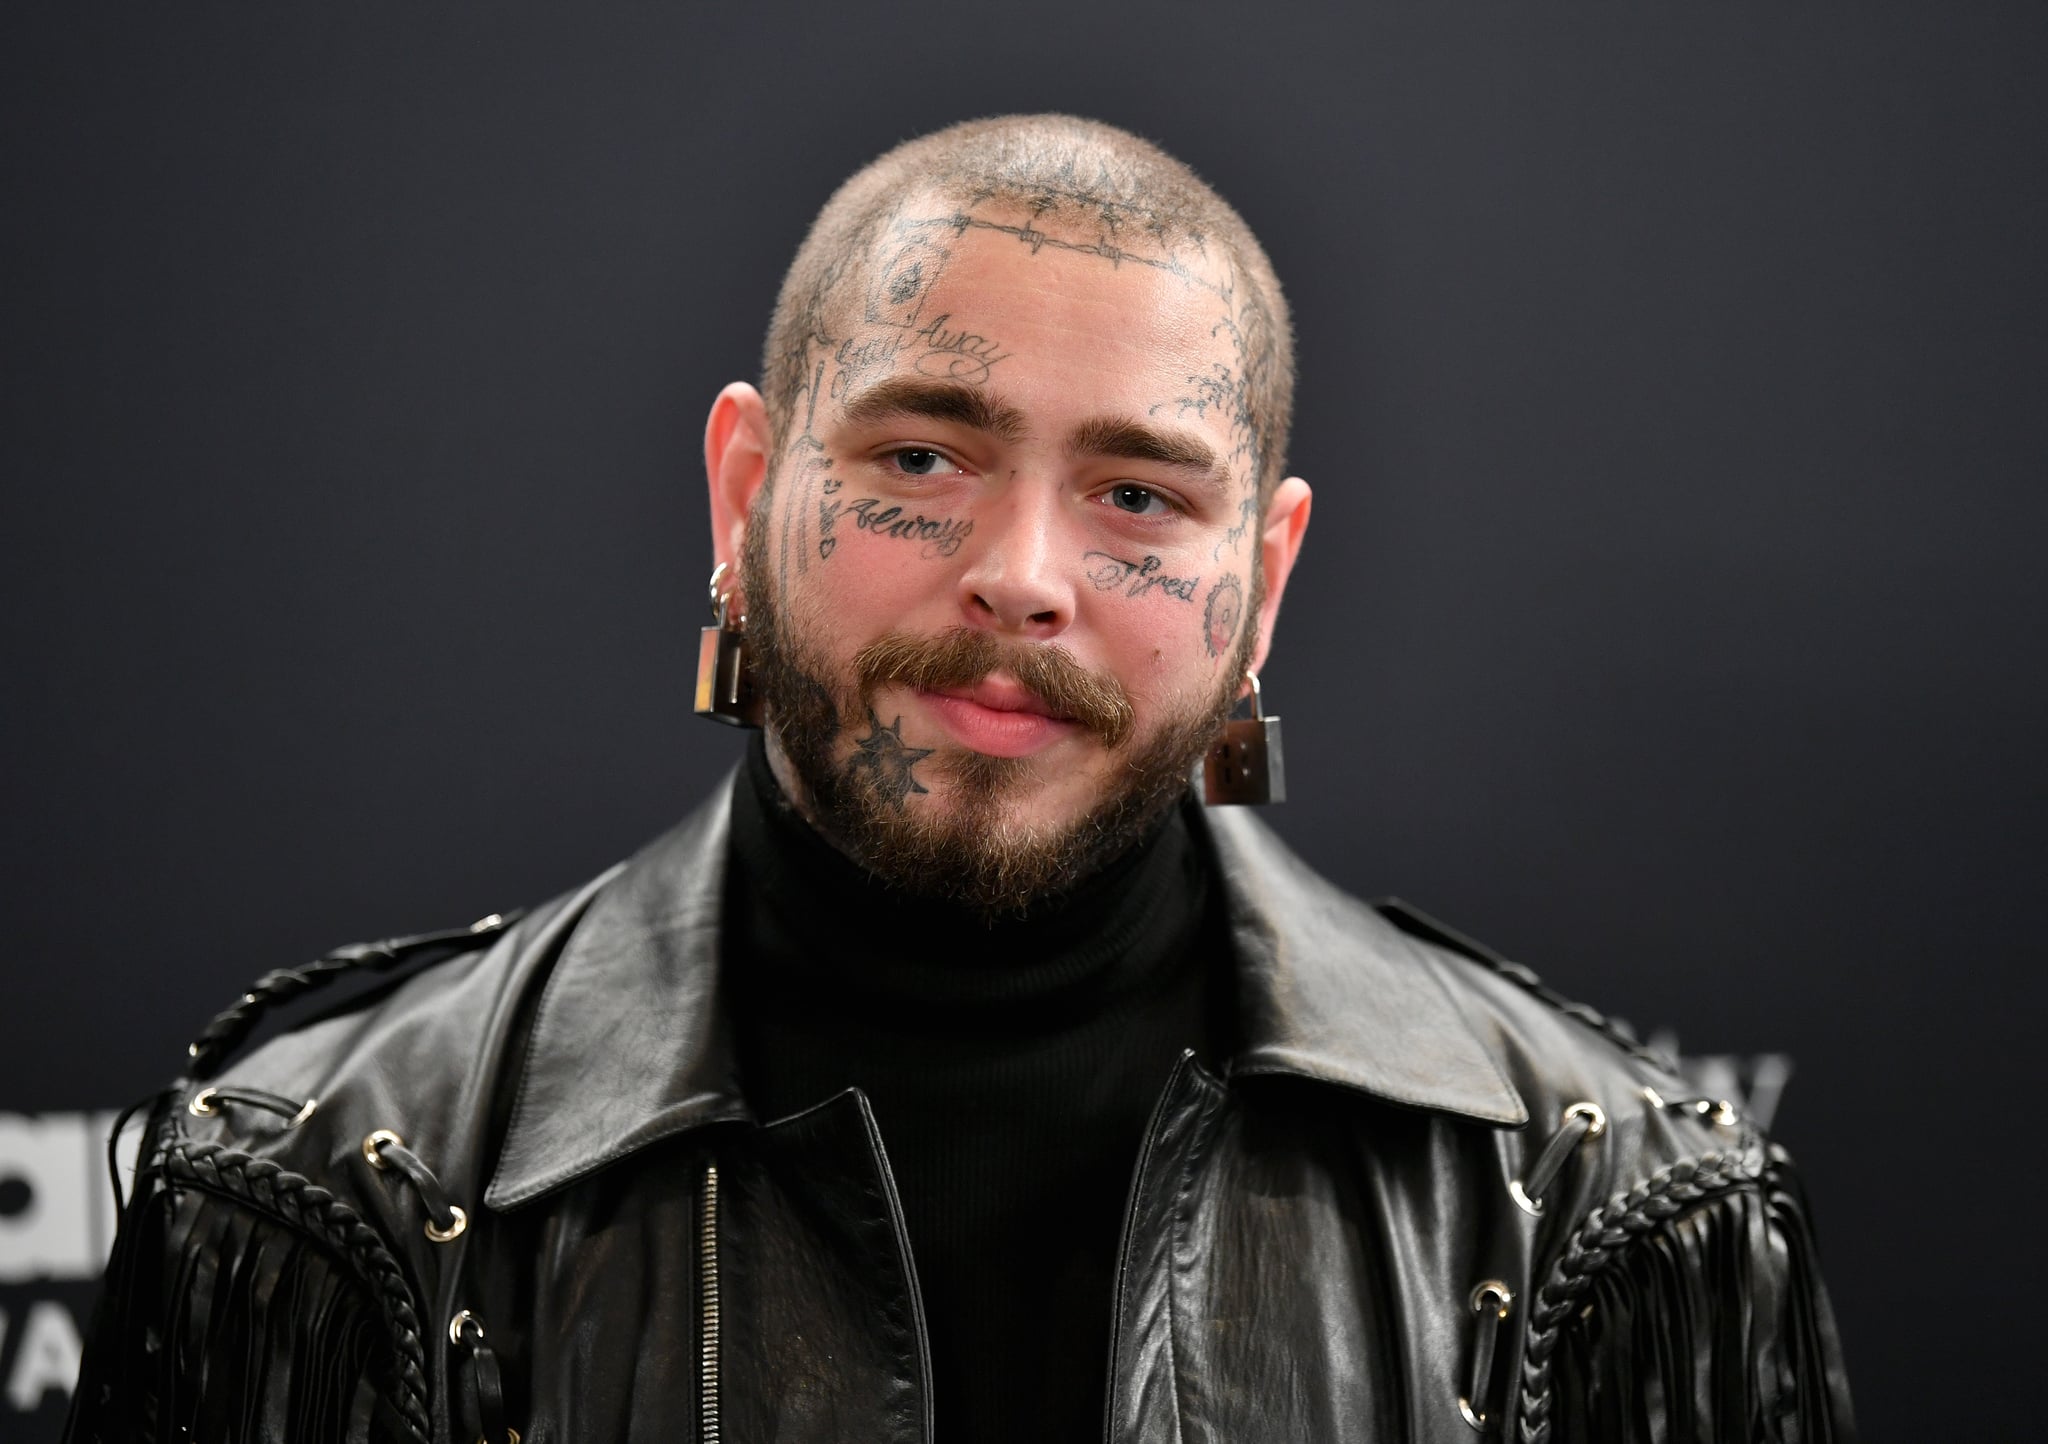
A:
x,y
1531,1206
376,1141
511,1436
202,1104
1472,1416
455,1324
454,1230
1593,1113
1655,1099
1499,1290
304,1113
1725,1114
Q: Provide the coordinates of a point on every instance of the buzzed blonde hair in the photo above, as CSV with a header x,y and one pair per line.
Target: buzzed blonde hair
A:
x,y
1092,179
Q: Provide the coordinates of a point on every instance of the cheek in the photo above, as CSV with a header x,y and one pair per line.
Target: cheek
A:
x,y
855,583
1155,650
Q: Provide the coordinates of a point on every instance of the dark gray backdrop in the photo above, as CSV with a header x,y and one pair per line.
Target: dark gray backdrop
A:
x,y
1672,384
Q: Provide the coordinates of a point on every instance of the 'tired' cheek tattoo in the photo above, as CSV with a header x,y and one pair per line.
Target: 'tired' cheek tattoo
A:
x,y
1222,613
1137,578
885,763
937,536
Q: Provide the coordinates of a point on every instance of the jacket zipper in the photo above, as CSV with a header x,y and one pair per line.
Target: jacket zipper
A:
x,y
707,1303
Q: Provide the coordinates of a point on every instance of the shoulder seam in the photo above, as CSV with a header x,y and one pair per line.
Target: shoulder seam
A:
x,y
1421,926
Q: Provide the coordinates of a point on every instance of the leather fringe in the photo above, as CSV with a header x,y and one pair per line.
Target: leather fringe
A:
x,y
1713,1326
224,1317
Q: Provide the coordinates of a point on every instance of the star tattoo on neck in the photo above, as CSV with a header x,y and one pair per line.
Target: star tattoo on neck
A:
x,y
884,760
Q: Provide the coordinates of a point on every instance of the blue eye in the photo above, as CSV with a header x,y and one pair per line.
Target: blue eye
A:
x,y
1137,500
919,461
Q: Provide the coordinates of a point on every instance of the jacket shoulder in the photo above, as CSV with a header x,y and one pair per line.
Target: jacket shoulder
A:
x,y
1578,1070
279,1197
430,1027
1550,1044
1674,1258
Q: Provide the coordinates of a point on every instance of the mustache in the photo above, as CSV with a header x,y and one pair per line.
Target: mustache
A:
x,y
963,656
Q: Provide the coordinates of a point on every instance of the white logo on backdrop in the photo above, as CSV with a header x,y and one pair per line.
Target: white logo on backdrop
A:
x,y
56,1227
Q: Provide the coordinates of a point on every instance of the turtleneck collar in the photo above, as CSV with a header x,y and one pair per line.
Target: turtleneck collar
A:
x,y
804,906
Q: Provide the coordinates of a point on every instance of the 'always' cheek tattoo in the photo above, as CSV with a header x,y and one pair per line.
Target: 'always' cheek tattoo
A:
x,y
939,536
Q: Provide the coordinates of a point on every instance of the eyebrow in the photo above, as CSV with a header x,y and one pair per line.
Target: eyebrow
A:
x,y
938,400
1120,436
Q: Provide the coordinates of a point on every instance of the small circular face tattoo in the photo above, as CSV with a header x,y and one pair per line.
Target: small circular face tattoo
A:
x,y
1222,613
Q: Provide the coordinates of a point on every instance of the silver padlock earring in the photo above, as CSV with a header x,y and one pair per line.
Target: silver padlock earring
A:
x,y
725,685
1245,764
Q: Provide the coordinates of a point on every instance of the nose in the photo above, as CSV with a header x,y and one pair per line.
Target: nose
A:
x,y
1019,581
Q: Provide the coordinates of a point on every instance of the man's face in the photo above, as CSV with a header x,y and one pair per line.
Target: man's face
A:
x,y
1002,579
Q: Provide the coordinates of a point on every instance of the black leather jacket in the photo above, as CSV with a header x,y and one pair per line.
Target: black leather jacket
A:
x,y
1426,1197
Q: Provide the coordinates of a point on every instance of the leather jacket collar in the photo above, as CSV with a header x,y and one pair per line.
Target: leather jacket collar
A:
x,y
630,1043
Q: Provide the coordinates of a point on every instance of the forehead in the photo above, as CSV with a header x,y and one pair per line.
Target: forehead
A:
x,y
998,296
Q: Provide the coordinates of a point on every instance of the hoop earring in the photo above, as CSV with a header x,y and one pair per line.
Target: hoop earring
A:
x,y
1246,765
725,683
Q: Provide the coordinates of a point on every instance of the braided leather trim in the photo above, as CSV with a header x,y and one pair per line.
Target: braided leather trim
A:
x,y
303,1205
229,1027
1599,1241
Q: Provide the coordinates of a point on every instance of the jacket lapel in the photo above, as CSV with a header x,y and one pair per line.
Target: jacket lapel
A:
x,y
630,1041
1331,990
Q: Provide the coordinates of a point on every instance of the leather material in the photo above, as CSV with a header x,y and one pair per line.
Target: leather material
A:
x,y
1303,1238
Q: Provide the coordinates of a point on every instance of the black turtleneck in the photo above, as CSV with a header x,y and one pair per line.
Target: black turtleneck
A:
x,y
1011,1066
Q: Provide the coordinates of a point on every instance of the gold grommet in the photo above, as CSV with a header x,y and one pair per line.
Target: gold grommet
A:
x,y
304,1113
454,1230
1472,1416
202,1105
1593,1113
455,1324
1499,1290
376,1141
1531,1206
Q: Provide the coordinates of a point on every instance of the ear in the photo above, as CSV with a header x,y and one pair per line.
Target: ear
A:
x,y
1279,544
736,463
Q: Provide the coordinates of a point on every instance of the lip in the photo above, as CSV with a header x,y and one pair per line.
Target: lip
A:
x,y
997,717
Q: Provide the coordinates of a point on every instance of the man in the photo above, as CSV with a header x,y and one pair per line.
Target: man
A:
x,y
955,1073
